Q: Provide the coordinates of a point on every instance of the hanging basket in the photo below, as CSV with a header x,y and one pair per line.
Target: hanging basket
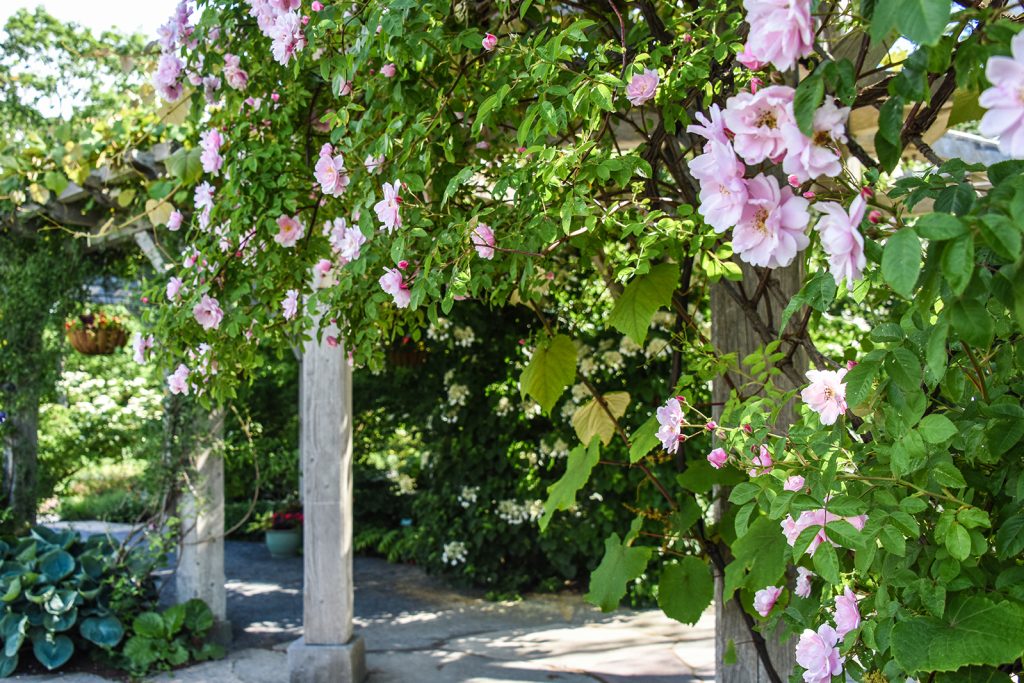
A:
x,y
407,357
98,342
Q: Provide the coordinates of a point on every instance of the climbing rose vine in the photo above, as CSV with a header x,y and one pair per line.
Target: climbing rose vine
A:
x,y
856,477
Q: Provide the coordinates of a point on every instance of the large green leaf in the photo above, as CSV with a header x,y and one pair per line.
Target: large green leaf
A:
x,y
13,629
643,439
901,261
552,368
642,298
7,665
685,590
105,632
975,631
52,651
149,625
591,419
562,494
760,557
620,565
922,21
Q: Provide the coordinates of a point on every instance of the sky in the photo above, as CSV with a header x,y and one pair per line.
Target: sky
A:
x,y
143,16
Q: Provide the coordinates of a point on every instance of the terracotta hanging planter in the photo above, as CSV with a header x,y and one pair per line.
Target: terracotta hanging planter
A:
x,y
96,335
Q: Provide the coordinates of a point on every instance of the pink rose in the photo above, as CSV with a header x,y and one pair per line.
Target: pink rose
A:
x,y
177,383
208,312
290,230
174,221
173,288
780,32
1005,116
772,228
140,345
286,37
762,462
841,239
317,5
757,121
642,87
816,518
330,172
210,142
765,599
490,42
794,483
483,241
388,71
718,457
803,582
236,77
393,283
826,394
818,654
723,190
846,614
387,208
290,304
670,417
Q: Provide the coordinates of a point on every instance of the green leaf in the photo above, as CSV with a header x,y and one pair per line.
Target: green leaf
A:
x,y
562,494
826,563
974,631
552,368
972,322
958,263
936,428
149,625
620,565
958,542
642,298
103,631
591,419
1003,235
859,381
1010,537
922,21
809,95
7,665
901,261
644,439
52,652
940,226
685,590
56,564
947,474
759,557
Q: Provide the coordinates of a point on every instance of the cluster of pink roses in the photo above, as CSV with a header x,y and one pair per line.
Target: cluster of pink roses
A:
x,y
280,21
769,222
210,142
781,32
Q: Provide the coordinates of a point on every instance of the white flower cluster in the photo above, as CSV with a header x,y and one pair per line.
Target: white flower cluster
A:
x,y
464,336
504,407
559,449
515,513
440,331
453,553
457,394
468,496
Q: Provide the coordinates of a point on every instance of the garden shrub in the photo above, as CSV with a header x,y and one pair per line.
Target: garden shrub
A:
x,y
61,594
169,639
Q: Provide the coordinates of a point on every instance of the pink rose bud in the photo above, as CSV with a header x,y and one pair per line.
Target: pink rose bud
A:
x,y
687,38
388,71
748,429
145,299
755,83
875,216
793,180
711,426
808,195
305,19
274,96
681,399
490,42
520,149
851,364
867,192
522,342
794,483
317,6
332,341
402,265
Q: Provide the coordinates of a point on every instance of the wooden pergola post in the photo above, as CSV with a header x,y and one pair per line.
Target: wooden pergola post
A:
x,y
328,652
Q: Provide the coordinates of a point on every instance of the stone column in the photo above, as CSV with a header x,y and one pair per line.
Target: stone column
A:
x,y
200,571
328,652
732,332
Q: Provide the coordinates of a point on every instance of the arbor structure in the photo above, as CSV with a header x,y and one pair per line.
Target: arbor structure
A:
x,y
370,165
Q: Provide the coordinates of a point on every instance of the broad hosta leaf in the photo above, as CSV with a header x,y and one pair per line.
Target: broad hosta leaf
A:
x,y
922,21
56,565
975,631
591,419
562,494
52,652
7,665
901,261
685,590
552,368
105,632
642,298
620,565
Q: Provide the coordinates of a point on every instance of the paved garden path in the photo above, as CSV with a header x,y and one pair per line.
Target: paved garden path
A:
x,y
418,630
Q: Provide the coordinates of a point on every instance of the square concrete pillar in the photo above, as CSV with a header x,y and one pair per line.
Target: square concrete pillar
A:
x,y
328,652
200,572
